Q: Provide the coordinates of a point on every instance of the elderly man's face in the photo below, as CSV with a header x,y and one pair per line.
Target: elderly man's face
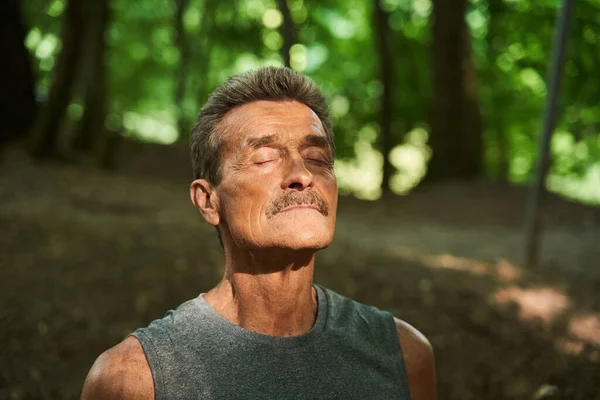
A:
x,y
278,188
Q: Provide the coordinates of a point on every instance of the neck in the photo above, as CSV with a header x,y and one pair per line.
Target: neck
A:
x,y
267,292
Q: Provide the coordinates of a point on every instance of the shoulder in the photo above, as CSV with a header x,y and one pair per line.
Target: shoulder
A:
x,y
419,361
121,372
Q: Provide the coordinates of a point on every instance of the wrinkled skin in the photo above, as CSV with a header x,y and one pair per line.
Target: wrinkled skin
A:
x,y
278,188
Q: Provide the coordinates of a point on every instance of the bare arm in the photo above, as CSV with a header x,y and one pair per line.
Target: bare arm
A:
x,y
419,361
120,373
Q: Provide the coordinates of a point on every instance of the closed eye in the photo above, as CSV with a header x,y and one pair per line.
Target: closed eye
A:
x,y
320,162
317,155
265,155
263,162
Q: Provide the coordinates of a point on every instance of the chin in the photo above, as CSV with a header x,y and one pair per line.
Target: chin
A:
x,y
307,241
304,239
308,233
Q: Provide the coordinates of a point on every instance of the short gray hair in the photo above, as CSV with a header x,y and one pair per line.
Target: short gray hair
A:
x,y
269,83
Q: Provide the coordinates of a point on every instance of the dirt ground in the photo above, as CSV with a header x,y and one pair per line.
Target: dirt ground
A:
x,y
87,256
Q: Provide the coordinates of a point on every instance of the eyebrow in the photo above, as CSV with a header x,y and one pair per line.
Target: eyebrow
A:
x,y
259,141
316,140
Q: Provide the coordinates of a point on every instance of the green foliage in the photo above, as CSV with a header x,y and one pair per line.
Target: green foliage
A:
x,y
511,46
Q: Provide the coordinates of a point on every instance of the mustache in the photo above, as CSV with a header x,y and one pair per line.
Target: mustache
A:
x,y
299,199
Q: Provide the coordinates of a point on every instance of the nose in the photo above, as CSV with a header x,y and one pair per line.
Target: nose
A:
x,y
298,177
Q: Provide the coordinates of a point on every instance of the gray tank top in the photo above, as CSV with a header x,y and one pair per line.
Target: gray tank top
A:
x,y
352,352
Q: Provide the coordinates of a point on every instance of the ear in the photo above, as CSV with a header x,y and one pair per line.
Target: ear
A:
x,y
205,199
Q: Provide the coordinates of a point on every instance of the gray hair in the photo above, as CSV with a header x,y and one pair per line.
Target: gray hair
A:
x,y
270,83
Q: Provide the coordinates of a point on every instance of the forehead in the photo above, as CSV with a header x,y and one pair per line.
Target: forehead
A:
x,y
283,118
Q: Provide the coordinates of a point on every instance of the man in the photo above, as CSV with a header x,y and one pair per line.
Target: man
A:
x,y
262,152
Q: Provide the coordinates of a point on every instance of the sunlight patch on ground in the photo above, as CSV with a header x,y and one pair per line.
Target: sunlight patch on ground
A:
x,y
538,303
448,261
570,346
501,269
507,272
578,348
586,327
546,304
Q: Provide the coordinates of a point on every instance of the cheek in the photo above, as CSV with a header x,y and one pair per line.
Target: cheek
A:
x,y
331,193
245,200
329,183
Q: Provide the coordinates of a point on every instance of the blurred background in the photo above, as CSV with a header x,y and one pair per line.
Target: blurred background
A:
x,y
437,108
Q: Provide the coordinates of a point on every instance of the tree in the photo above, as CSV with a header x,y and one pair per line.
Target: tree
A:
x,y
200,52
499,94
386,106
287,31
17,98
147,78
456,140
184,59
47,125
533,217
93,71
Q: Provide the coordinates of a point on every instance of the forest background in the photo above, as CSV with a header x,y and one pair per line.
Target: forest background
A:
x,y
437,108
465,94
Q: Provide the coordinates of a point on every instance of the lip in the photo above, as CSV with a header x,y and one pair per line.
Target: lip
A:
x,y
303,206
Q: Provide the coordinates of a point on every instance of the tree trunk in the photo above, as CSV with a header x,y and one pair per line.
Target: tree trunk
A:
x,y
17,97
287,31
201,54
533,220
497,9
91,128
455,140
503,151
184,56
46,128
386,106
112,143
